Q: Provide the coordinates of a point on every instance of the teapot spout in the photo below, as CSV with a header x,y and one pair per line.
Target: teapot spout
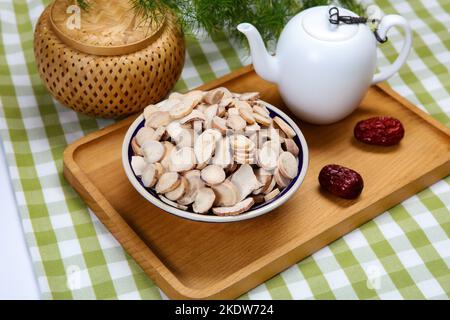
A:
x,y
266,66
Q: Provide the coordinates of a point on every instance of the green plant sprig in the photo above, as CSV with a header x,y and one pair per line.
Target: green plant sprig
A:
x,y
222,16
83,4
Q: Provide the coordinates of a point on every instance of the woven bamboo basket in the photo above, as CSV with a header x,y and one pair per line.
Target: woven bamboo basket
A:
x,y
114,65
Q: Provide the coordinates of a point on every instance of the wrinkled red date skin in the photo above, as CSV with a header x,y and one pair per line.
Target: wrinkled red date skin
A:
x,y
381,131
341,181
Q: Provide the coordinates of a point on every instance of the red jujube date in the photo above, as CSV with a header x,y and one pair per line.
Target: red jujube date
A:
x,y
341,181
382,131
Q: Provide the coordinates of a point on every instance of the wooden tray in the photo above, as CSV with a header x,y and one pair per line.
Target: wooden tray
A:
x,y
198,260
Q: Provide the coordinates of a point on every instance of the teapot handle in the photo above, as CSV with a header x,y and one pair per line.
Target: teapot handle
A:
x,y
386,23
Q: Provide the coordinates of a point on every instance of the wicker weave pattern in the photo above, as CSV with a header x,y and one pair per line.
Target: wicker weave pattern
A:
x,y
109,86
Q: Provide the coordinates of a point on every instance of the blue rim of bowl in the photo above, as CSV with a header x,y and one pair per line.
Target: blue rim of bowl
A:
x,y
257,210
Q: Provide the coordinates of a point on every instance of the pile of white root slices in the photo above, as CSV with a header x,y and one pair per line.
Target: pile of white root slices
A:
x,y
217,151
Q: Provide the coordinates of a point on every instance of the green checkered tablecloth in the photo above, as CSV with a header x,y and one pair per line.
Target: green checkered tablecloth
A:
x,y
402,254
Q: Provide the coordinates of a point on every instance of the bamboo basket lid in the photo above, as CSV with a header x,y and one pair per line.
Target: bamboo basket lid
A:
x,y
107,27
104,79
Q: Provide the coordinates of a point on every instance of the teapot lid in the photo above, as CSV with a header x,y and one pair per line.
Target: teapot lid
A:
x,y
316,23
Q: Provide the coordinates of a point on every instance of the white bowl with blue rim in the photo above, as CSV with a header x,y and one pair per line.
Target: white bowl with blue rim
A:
x,y
257,210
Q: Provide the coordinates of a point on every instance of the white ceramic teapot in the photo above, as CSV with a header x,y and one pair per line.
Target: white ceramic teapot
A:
x,y
324,69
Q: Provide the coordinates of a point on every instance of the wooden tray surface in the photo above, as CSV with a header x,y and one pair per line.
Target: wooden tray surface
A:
x,y
198,260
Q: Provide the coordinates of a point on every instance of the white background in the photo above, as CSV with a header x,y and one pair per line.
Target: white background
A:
x,y
17,279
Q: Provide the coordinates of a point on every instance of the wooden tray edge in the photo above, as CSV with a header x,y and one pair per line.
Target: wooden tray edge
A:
x,y
422,114
294,253
164,278
130,241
